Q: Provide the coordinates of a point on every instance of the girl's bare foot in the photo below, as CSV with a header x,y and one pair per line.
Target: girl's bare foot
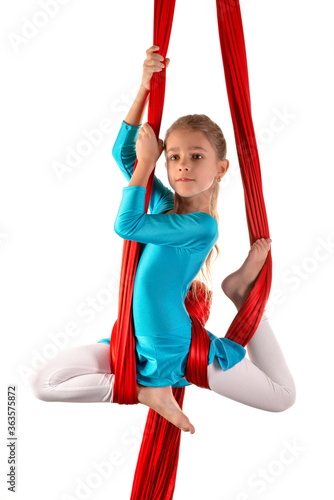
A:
x,y
161,400
238,285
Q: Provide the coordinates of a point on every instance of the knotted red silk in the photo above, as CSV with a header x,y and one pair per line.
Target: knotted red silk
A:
x,y
155,474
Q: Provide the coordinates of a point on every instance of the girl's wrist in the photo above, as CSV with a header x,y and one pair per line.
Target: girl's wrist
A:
x,y
136,112
141,174
145,165
143,94
143,91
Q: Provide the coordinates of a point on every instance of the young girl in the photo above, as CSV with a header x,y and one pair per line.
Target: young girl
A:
x,y
177,240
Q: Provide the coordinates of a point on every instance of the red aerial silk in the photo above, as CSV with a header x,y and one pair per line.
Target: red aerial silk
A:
x,y
156,469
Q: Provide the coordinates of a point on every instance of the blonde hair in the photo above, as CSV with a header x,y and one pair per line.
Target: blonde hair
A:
x,y
214,134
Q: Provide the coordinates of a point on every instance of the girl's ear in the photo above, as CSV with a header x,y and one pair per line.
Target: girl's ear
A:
x,y
224,166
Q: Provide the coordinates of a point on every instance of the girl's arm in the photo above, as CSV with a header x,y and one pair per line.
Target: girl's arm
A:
x,y
152,64
134,117
136,113
124,150
124,153
196,231
148,159
142,173
148,150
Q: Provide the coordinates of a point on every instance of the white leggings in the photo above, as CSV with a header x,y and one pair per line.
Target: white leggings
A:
x,y
82,375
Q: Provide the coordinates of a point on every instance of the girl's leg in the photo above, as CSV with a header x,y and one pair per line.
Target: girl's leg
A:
x,y
264,381
80,374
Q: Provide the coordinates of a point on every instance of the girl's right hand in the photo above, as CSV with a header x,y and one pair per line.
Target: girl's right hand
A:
x,y
152,63
148,149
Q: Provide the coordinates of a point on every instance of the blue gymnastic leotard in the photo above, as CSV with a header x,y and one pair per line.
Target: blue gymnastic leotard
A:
x,y
174,248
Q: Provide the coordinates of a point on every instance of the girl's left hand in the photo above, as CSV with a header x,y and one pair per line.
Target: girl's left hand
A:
x,y
148,149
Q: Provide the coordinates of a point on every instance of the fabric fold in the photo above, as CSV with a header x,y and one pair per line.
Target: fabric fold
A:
x,y
227,352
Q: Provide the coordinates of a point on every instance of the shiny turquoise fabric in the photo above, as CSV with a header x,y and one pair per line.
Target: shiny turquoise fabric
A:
x,y
174,248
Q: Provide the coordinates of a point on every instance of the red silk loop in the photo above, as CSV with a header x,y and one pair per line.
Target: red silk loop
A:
x,y
197,363
200,308
156,470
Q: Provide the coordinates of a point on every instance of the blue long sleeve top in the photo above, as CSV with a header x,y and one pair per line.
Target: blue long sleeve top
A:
x,y
174,248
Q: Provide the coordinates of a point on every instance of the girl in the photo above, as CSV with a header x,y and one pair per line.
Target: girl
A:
x,y
177,240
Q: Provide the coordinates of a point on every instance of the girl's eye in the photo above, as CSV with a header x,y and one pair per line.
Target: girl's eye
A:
x,y
193,155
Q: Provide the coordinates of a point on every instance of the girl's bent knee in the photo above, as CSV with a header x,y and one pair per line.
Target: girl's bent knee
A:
x,y
37,386
287,400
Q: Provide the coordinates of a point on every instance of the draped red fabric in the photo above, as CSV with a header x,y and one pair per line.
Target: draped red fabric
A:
x,y
232,44
158,457
156,469
122,344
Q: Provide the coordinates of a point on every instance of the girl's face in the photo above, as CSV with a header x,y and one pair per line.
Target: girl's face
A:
x,y
190,155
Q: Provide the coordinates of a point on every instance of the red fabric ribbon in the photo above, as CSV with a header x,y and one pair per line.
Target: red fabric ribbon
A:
x,y
156,469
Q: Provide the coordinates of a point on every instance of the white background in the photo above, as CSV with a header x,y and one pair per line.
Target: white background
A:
x,y
58,247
